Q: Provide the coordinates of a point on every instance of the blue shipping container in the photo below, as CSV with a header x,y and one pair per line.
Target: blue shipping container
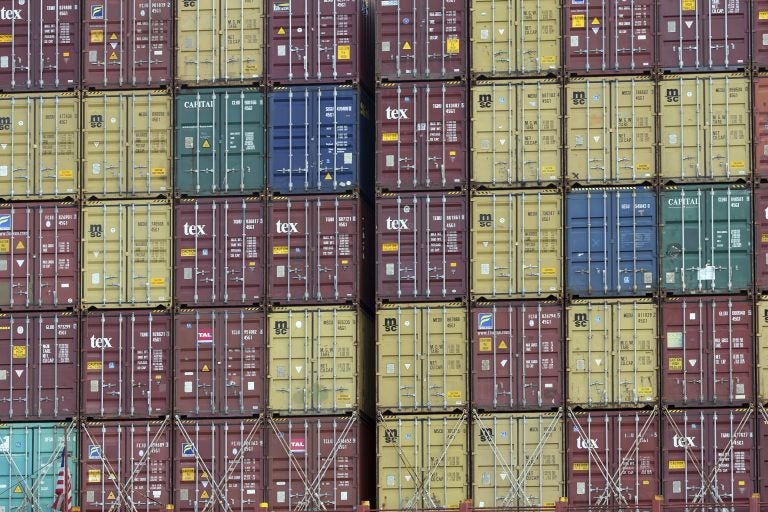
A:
x,y
320,140
611,242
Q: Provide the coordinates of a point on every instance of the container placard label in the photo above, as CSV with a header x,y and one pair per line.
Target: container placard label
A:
x,y
688,5
94,476
344,52
578,21
298,445
187,474
677,464
452,46
675,363
486,344
390,247
19,352
205,336
762,15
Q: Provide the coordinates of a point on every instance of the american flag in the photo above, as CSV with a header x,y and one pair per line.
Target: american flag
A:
x,y
63,500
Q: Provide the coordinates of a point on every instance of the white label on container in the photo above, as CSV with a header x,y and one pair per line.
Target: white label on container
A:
x,y
385,46
692,316
281,496
187,386
707,273
189,143
581,364
390,270
581,488
3,170
96,168
95,278
675,339
390,368
183,494
670,277
347,158
641,37
740,391
389,3
671,26
251,386
673,138
647,278
281,271
485,269
158,52
390,160
91,496
343,495
390,480
281,50
4,265
677,487
93,56
574,40
187,273
94,386
484,33
765,40
4,61
3,375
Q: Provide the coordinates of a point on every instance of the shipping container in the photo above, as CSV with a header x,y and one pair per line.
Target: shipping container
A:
x,y
761,238
219,42
39,146
421,40
705,128
761,355
759,16
708,351
127,259
127,144
708,457
517,245
610,36
421,357
126,465
219,366
220,142
421,246
320,140
422,461
760,122
31,461
517,359
219,464
421,136
706,239
40,46
612,353
319,250
703,35
219,248
127,44
611,242
125,369
516,134
610,131
613,459
38,366
517,460
39,256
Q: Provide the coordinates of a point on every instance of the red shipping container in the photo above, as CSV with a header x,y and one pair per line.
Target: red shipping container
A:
x,y
39,247
421,246
421,136
127,44
761,237
762,444
609,36
38,366
421,39
219,252
760,33
219,362
517,361
708,351
125,364
760,112
613,459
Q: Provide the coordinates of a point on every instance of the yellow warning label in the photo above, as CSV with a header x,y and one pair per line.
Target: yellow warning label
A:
x,y
65,54
688,5
345,262
503,345
113,37
328,177
763,238
646,390
737,164
486,344
577,21
406,45
675,363
343,397
158,171
206,143
205,368
204,495
20,245
390,137
548,271
581,466
8,38
17,489
157,281
452,153
742,483
187,253
344,52
454,394
643,167
19,352
390,247
281,31
113,56
452,46
762,15
95,365
595,21
453,264
187,474
280,249
94,476
548,59
548,168
111,496
66,173
677,464
5,245
97,36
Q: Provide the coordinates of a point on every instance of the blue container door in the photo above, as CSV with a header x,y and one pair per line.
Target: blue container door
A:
x,y
588,242
635,234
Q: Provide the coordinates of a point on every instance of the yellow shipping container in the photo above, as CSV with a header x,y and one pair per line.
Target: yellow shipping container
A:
x,y
762,350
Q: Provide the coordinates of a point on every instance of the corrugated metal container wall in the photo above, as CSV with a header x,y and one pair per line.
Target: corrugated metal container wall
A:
x,y
517,360
421,136
127,254
39,256
219,41
421,39
219,366
761,238
612,353
422,461
762,446
41,49
220,142
421,358
125,369
421,246
219,248
127,44
516,134
517,460
517,246
708,351
760,33
39,146
761,355
38,366
613,459
706,239
126,466
127,144
760,122
611,242
611,131
705,128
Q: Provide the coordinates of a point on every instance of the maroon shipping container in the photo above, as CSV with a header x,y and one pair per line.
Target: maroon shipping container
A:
x,y
760,33
421,136
38,366
320,463
317,250
125,466
760,111
610,36
761,237
219,465
613,459
762,443
219,252
517,361
421,246
219,362
703,35
39,247
708,457
421,39
127,44
708,351
40,45
125,365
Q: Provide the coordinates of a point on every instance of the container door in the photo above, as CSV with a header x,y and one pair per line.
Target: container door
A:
x,y
152,52
289,140
149,251
444,370
197,138
335,365
590,363
104,279
149,154
242,457
634,128
148,476
242,38
682,129
290,349
729,122
106,43
103,455
337,248
198,470
398,248
196,370
634,354
539,256
539,350
243,254
289,247
398,350
589,240
589,138
17,60
633,265
17,171
241,384
56,362
396,41
444,472
197,234
105,140
685,360
337,157
58,138
16,363
443,227
733,352
241,166
197,26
